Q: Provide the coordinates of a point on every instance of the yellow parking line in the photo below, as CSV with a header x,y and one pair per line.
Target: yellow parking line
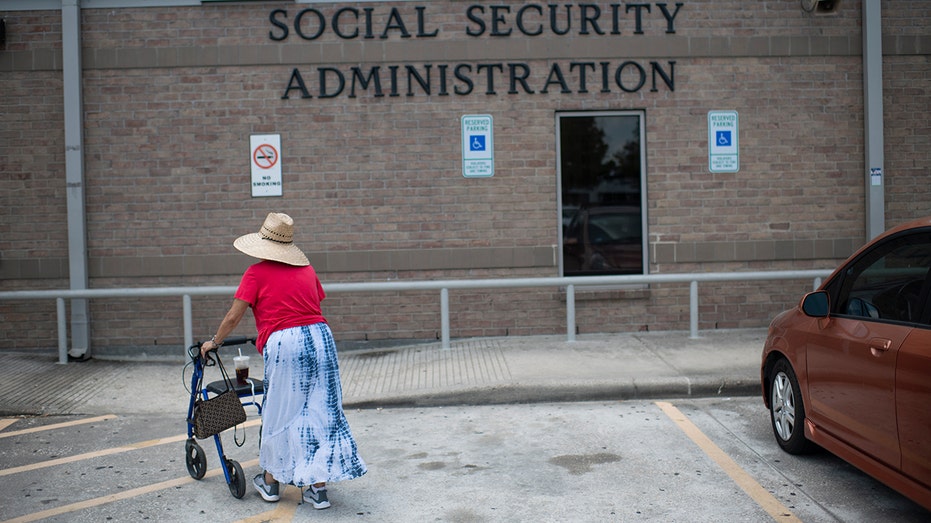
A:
x,y
283,511
53,426
6,422
763,498
81,505
90,455
105,452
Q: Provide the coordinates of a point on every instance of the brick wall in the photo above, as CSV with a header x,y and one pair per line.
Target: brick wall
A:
x,y
375,183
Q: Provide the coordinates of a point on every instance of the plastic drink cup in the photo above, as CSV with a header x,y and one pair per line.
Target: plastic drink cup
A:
x,y
242,368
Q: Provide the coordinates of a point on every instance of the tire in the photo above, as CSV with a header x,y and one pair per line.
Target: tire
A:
x,y
237,482
787,410
195,459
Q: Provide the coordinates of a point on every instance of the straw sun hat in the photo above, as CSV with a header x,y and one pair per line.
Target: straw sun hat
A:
x,y
274,241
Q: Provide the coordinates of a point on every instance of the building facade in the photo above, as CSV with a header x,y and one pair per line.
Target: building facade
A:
x,y
452,140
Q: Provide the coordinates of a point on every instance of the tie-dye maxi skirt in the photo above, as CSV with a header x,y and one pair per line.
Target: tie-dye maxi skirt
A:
x,y
305,435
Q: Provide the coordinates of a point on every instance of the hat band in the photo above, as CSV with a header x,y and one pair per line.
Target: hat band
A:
x,y
266,233
264,237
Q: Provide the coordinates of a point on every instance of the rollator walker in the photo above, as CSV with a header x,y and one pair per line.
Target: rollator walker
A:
x,y
251,393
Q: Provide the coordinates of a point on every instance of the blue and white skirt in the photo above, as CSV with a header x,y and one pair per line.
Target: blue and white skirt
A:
x,y
305,435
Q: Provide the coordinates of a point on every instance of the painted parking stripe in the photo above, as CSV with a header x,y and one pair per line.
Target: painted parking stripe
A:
x,y
763,498
284,510
90,503
6,422
105,452
53,426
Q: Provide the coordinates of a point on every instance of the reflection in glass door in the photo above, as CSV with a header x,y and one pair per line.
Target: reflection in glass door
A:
x,y
602,196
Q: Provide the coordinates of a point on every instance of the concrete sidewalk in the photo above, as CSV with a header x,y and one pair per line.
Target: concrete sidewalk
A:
x,y
516,369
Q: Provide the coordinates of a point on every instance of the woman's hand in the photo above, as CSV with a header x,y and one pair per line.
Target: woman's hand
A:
x,y
208,346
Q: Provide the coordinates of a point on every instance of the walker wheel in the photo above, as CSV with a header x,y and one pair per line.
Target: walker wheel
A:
x,y
195,459
237,483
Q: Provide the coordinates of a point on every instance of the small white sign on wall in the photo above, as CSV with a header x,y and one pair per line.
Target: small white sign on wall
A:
x,y
723,146
265,158
478,146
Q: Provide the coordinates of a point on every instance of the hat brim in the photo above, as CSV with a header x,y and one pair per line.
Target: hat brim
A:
x,y
258,247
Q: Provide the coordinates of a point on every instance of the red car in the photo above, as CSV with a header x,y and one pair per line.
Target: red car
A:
x,y
849,368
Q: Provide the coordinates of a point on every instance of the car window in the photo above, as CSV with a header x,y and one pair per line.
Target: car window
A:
x,y
888,282
598,235
616,227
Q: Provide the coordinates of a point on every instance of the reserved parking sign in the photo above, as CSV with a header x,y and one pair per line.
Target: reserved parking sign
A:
x,y
478,146
723,150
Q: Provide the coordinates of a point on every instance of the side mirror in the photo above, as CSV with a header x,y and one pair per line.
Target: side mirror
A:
x,y
816,304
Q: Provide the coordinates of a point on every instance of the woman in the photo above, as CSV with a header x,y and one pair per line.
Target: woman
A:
x,y
305,436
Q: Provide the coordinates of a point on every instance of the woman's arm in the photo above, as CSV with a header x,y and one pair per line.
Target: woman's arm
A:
x,y
230,321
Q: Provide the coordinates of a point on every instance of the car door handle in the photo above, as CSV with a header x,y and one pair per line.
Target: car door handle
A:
x,y
879,346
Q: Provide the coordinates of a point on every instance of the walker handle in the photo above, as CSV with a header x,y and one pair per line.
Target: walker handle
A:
x,y
238,340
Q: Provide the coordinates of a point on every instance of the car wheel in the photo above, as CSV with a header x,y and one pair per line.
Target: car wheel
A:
x,y
786,409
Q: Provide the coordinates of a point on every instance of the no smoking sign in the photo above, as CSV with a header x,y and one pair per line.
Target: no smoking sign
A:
x,y
265,156
265,153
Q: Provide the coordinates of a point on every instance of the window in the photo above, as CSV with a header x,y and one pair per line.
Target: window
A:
x,y
602,197
887,283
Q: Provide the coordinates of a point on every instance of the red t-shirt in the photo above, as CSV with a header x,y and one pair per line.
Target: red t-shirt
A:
x,y
282,296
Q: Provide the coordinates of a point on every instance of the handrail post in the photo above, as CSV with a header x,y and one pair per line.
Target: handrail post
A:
x,y
62,331
444,317
570,313
693,309
816,284
188,329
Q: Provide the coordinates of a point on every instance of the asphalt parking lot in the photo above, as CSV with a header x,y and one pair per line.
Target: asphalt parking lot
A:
x,y
698,459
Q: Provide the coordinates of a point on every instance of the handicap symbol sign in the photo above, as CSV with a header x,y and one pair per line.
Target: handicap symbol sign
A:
x,y
478,146
723,138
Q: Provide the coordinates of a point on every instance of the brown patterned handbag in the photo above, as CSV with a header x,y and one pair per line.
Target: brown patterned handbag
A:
x,y
216,414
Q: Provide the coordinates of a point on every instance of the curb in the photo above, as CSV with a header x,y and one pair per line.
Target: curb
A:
x,y
524,393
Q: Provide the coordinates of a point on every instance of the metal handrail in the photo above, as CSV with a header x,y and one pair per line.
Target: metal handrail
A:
x,y
570,284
